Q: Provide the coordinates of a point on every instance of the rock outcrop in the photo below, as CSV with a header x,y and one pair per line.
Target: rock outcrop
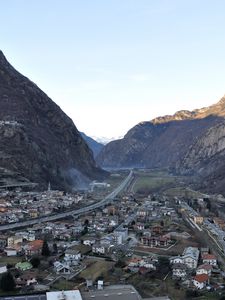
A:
x,y
206,158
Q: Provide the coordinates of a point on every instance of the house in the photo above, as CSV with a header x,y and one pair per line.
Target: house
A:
x,y
200,281
139,226
204,250
100,248
154,241
33,248
3,241
157,229
204,269
3,268
118,239
190,257
142,213
123,232
134,264
62,268
209,259
198,220
219,222
148,263
176,260
72,256
10,251
143,270
179,270
26,279
89,241
14,240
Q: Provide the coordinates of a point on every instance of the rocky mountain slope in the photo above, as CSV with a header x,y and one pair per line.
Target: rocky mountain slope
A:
x,y
163,141
38,140
92,144
206,157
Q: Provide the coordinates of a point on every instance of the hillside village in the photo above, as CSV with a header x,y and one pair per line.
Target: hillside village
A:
x,y
155,237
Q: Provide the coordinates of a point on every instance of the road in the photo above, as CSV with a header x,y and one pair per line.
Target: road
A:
x,y
76,212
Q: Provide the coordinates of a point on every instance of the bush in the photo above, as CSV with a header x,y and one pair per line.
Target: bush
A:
x,y
7,282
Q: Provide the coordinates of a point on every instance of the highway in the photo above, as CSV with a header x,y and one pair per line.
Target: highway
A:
x,y
76,212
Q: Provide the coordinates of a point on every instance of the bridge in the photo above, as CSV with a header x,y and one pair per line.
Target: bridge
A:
x,y
76,212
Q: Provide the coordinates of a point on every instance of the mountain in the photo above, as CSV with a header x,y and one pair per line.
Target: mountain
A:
x,y
206,157
93,144
38,140
105,140
163,141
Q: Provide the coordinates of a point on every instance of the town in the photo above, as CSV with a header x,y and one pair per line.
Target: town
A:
x,y
156,241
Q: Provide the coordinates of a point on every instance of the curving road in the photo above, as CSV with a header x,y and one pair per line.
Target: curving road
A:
x,y
76,212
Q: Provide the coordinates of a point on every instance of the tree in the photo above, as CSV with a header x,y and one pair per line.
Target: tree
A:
x,y
35,261
45,249
208,205
55,248
86,222
163,261
7,282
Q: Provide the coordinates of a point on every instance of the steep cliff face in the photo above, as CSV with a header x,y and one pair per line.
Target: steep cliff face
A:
x,y
38,139
206,157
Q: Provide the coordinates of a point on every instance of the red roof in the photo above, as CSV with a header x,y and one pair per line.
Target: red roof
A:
x,y
205,267
201,278
35,245
208,256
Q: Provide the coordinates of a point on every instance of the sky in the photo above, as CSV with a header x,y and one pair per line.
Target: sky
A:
x,y
110,64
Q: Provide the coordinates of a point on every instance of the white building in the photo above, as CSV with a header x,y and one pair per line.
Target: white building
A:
x,y
72,256
209,259
64,295
204,269
3,268
179,270
190,257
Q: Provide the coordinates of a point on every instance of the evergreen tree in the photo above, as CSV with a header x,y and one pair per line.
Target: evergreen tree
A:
x,y
45,249
7,282
55,248
35,261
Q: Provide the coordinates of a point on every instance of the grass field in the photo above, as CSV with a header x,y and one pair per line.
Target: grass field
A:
x,y
96,269
62,284
183,192
12,260
152,181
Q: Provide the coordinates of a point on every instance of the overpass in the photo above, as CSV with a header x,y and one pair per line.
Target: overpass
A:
x,y
76,212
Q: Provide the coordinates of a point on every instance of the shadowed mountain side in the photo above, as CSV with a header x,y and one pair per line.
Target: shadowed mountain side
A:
x,y
206,157
155,144
38,139
95,146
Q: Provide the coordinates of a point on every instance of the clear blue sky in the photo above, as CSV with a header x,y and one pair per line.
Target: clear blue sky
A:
x,y
110,64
